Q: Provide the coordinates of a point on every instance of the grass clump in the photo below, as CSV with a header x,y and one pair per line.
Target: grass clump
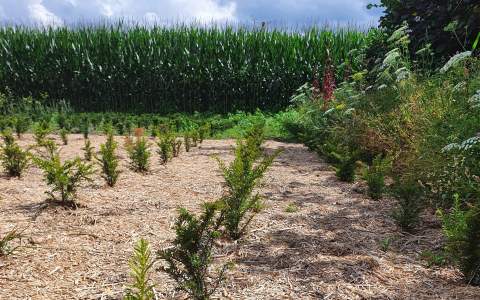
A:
x,y
141,265
6,241
13,159
63,177
189,259
108,161
139,154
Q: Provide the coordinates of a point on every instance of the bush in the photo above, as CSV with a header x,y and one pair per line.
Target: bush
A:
x,y
176,147
345,167
88,150
64,136
375,177
109,161
21,125
41,131
187,141
14,160
241,177
189,259
139,154
64,178
141,265
462,229
410,204
204,132
85,127
166,146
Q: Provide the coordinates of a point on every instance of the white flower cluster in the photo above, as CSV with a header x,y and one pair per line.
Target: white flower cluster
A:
x,y
475,100
463,146
454,60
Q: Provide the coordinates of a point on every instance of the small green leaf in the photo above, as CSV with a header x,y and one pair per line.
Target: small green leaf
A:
x,y
475,44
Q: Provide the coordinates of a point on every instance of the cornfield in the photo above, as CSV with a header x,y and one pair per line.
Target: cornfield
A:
x,y
169,69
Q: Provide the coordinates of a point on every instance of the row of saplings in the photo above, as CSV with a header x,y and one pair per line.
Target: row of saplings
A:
x,y
190,259
65,176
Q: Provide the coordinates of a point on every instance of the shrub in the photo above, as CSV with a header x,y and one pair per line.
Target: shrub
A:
x,y
21,125
409,195
85,128
6,247
64,136
64,178
204,132
88,150
462,229
14,160
345,166
189,259
187,141
166,146
195,137
40,132
141,265
109,161
375,177
241,177
139,154
176,147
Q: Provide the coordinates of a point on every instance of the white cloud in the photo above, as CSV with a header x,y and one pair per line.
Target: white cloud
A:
x,y
289,11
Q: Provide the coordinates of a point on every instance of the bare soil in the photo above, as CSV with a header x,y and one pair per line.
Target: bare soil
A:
x,y
328,246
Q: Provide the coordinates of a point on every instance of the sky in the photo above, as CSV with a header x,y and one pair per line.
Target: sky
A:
x,y
299,12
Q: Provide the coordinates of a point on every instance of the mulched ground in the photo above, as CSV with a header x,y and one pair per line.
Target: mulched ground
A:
x,y
329,248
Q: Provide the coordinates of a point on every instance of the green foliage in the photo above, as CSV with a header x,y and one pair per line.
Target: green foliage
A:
x,y
141,265
63,177
21,124
139,153
291,208
204,132
176,147
166,145
345,166
462,229
450,27
88,150
64,136
229,68
13,159
191,256
85,128
187,141
41,131
108,160
434,258
241,177
6,241
374,175
410,203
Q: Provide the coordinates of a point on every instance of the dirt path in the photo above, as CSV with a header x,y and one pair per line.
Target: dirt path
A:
x,y
330,248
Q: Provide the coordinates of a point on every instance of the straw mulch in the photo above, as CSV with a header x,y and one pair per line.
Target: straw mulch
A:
x,y
329,246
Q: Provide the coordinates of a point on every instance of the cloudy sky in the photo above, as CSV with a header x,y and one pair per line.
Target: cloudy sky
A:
x,y
59,12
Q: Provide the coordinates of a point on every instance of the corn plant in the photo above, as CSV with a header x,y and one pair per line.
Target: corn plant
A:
x,y
139,153
13,159
188,261
88,150
63,177
241,178
108,161
141,265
